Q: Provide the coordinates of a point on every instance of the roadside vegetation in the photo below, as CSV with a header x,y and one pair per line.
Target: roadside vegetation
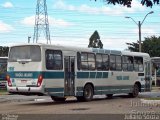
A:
x,y
3,91
154,98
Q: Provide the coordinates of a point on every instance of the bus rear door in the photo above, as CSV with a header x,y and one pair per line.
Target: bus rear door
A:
x,y
69,71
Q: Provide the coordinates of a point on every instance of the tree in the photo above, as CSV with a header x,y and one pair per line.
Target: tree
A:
x,y
4,51
134,47
150,45
148,3
94,41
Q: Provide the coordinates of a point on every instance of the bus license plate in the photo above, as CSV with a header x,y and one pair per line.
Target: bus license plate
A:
x,y
23,81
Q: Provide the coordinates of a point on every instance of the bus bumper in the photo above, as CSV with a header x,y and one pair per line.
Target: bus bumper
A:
x,y
26,90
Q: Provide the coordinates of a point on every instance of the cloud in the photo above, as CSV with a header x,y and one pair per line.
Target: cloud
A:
x,y
7,5
59,22
5,27
52,21
112,10
29,21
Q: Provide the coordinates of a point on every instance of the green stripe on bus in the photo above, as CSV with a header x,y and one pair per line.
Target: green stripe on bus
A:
x,y
92,75
125,77
122,77
25,74
105,74
99,75
57,94
56,74
82,74
46,75
85,75
54,89
98,90
108,87
119,77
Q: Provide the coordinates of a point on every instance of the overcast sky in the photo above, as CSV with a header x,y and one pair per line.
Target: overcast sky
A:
x,y
72,22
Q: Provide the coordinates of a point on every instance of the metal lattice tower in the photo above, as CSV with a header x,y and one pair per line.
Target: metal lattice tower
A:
x,y
41,22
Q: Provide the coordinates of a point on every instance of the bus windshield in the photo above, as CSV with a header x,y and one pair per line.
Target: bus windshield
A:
x,y
3,68
25,53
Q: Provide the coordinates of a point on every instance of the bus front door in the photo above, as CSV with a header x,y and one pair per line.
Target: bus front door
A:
x,y
147,76
69,66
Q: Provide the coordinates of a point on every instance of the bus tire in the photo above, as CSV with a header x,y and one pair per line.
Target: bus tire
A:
x,y
109,96
58,99
135,91
88,93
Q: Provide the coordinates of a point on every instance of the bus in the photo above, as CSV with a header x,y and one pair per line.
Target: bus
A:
x,y
156,70
3,72
64,71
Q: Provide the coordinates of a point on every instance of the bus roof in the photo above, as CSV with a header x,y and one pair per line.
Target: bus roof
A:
x,y
135,53
95,50
155,58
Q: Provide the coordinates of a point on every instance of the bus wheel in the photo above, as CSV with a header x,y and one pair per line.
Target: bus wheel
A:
x,y
88,92
109,96
58,99
135,91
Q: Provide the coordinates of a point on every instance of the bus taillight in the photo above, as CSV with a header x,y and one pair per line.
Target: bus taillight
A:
x,y
8,80
40,79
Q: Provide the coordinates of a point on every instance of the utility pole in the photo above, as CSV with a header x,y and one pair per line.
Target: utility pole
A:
x,y
41,22
139,28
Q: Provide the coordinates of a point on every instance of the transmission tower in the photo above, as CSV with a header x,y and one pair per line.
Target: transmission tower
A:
x,y
41,22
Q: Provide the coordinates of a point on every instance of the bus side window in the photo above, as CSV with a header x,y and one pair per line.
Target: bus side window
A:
x,y
102,62
118,63
91,61
127,63
99,61
54,60
138,64
105,65
84,61
130,63
115,62
112,62
87,61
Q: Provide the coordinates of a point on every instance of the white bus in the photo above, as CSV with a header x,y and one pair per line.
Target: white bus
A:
x,y
3,72
61,71
156,70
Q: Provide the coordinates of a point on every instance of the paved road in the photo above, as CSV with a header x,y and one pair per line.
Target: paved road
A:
x,y
43,105
22,98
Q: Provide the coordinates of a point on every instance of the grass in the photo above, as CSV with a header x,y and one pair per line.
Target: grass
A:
x,y
3,91
155,98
